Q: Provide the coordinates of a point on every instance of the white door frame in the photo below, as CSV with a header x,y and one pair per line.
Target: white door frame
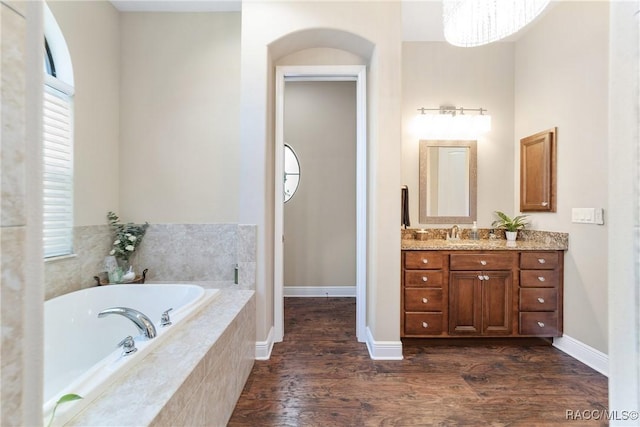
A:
x,y
355,73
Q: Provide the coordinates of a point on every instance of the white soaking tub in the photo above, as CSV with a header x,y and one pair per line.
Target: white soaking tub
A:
x,y
81,353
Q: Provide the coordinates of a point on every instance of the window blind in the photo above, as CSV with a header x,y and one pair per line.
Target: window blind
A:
x,y
58,169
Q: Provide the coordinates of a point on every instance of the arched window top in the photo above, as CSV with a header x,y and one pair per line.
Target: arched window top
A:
x,y
57,57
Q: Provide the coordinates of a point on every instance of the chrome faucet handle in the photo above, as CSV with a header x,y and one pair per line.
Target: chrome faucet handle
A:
x,y
165,320
128,345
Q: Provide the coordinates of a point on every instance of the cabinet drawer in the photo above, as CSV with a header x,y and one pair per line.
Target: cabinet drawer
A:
x,y
538,299
414,278
539,260
493,261
423,260
539,278
423,299
423,323
542,323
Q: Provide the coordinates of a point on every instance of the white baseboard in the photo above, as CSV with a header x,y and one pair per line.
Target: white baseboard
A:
x,y
319,291
383,350
584,353
263,348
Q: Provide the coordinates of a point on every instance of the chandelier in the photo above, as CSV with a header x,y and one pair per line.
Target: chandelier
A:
x,y
469,23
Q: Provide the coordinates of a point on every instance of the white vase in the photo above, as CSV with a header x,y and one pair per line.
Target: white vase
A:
x,y
511,235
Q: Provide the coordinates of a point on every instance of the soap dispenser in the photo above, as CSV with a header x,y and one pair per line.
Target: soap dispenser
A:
x,y
473,235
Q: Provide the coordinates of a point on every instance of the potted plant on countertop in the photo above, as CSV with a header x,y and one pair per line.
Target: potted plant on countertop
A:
x,y
510,225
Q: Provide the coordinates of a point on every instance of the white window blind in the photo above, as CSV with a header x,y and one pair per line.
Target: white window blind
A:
x,y
58,168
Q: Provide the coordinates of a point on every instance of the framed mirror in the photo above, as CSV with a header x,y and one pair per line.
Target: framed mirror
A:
x,y
448,182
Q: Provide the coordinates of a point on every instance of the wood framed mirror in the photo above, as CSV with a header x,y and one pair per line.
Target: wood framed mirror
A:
x,y
448,182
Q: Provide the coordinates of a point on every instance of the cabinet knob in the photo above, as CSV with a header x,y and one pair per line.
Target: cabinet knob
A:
x,y
483,262
540,278
541,300
425,261
486,277
425,300
425,325
541,260
541,324
481,277
545,203
425,278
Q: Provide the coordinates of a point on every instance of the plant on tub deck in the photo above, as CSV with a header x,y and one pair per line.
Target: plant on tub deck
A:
x,y
127,237
510,224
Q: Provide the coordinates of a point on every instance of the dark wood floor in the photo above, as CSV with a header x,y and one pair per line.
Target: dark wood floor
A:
x,y
320,376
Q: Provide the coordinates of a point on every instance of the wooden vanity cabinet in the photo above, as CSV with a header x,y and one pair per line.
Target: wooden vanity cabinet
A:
x,y
424,296
481,300
481,293
541,293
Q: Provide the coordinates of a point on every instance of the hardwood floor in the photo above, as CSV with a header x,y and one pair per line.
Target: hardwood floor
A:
x,y
320,376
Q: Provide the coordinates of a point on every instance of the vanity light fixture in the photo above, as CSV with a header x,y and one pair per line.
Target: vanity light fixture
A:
x,y
449,122
469,23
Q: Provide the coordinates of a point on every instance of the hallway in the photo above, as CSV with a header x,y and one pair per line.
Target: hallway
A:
x,y
320,376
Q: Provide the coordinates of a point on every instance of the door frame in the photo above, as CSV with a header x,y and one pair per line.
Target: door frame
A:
x,y
355,73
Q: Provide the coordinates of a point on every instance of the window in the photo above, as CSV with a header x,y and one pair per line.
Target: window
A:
x,y
58,162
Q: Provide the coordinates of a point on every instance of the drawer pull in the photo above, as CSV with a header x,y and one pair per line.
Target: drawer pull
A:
x,y
541,300
541,260
541,324
425,300
425,261
425,278
540,278
425,325
483,262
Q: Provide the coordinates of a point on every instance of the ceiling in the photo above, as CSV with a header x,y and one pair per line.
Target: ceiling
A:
x,y
421,20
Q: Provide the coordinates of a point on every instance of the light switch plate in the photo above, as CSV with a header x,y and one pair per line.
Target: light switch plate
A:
x,y
587,215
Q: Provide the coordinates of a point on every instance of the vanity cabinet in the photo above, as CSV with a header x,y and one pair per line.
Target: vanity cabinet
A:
x,y
481,293
424,293
541,293
538,172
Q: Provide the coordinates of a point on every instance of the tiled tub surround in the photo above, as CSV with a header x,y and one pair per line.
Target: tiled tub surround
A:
x,y
172,253
527,240
194,379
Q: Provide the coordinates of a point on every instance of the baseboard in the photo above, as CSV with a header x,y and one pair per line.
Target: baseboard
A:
x,y
263,348
319,291
584,353
383,350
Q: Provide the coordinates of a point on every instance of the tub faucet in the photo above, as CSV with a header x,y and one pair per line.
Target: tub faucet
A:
x,y
142,322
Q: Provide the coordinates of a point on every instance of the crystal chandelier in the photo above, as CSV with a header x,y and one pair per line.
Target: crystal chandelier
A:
x,y
470,23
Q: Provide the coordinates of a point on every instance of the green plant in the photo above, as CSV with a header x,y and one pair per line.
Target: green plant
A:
x,y
510,224
127,237
66,398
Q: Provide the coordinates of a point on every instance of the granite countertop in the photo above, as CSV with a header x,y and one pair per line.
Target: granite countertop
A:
x,y
528,240
484,244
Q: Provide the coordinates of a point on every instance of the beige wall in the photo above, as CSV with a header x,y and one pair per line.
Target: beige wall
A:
x,y
377,23
562,80
320,219
92,32
435,74
179,114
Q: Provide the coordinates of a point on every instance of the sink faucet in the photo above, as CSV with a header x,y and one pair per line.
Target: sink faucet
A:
x,y
142,322
454,234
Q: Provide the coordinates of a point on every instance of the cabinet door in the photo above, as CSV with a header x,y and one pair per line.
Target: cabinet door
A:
x,y
465,303
496,302
538,172
480,303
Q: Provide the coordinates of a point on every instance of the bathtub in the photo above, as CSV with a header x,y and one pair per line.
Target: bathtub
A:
x,y
80,350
